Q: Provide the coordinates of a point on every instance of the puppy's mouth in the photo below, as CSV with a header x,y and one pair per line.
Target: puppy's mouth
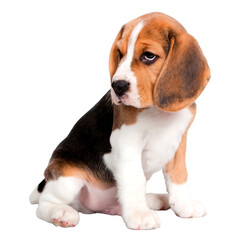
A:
x,y
117,99
124,99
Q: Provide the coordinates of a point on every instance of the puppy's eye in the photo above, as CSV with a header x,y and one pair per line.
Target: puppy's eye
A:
x,y
120,54
148,58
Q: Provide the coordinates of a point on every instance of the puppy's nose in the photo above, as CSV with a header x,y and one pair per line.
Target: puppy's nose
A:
x,y
120,87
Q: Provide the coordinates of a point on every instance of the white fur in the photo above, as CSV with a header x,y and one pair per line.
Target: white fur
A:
x,y
138,151
124,72
34,197
181,201
55,200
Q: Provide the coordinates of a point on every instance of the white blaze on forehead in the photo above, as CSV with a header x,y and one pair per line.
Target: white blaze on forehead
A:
x,y
124,71
131,43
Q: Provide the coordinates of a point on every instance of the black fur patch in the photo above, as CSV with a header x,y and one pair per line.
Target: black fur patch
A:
x,y
89,140
41,185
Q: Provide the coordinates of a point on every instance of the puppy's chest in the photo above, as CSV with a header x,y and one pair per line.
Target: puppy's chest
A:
x,y
162,133
153,139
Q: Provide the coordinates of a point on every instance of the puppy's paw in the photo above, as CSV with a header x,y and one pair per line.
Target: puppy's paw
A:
x,y
141,219
64,216
188,208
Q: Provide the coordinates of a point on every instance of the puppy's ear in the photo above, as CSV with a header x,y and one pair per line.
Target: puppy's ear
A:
x,y
114,57
183,76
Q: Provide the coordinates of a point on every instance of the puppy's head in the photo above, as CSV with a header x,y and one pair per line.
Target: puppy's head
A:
x,y
154,61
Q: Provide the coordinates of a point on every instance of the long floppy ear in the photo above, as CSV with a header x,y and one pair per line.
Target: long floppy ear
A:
x,y
183,76
114,57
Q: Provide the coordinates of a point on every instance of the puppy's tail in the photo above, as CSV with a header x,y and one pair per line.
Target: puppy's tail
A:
x,y
36,193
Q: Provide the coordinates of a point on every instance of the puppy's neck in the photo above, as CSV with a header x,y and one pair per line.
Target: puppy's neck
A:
x,y
124,115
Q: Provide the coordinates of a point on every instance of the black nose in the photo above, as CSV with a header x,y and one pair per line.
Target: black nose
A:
x,y
120,87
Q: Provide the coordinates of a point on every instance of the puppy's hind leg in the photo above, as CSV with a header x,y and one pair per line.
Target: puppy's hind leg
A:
x,y
55,200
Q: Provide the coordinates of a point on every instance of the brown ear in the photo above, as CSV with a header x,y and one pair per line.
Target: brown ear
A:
x,y
183,76
114,57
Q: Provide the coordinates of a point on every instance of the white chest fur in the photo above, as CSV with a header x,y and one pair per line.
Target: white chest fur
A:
x,y
162,137
153,139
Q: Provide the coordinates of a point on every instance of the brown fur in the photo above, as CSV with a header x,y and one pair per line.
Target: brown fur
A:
x,y
54,169
114,58
184,75
86,175
58,168
124,115
176,169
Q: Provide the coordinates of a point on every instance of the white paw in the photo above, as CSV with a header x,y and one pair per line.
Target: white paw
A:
x,y
141,219
64,216
157,201
188,208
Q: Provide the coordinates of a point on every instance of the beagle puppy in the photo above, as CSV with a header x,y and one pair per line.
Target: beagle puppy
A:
x,y
138,128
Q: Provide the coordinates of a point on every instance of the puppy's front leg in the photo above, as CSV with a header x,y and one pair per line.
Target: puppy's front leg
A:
x,y
175,174
125,163
131,184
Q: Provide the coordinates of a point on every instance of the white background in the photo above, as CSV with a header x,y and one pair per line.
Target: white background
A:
x,y
54,67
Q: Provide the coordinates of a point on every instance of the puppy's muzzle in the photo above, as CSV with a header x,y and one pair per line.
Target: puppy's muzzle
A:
x,y
120,87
